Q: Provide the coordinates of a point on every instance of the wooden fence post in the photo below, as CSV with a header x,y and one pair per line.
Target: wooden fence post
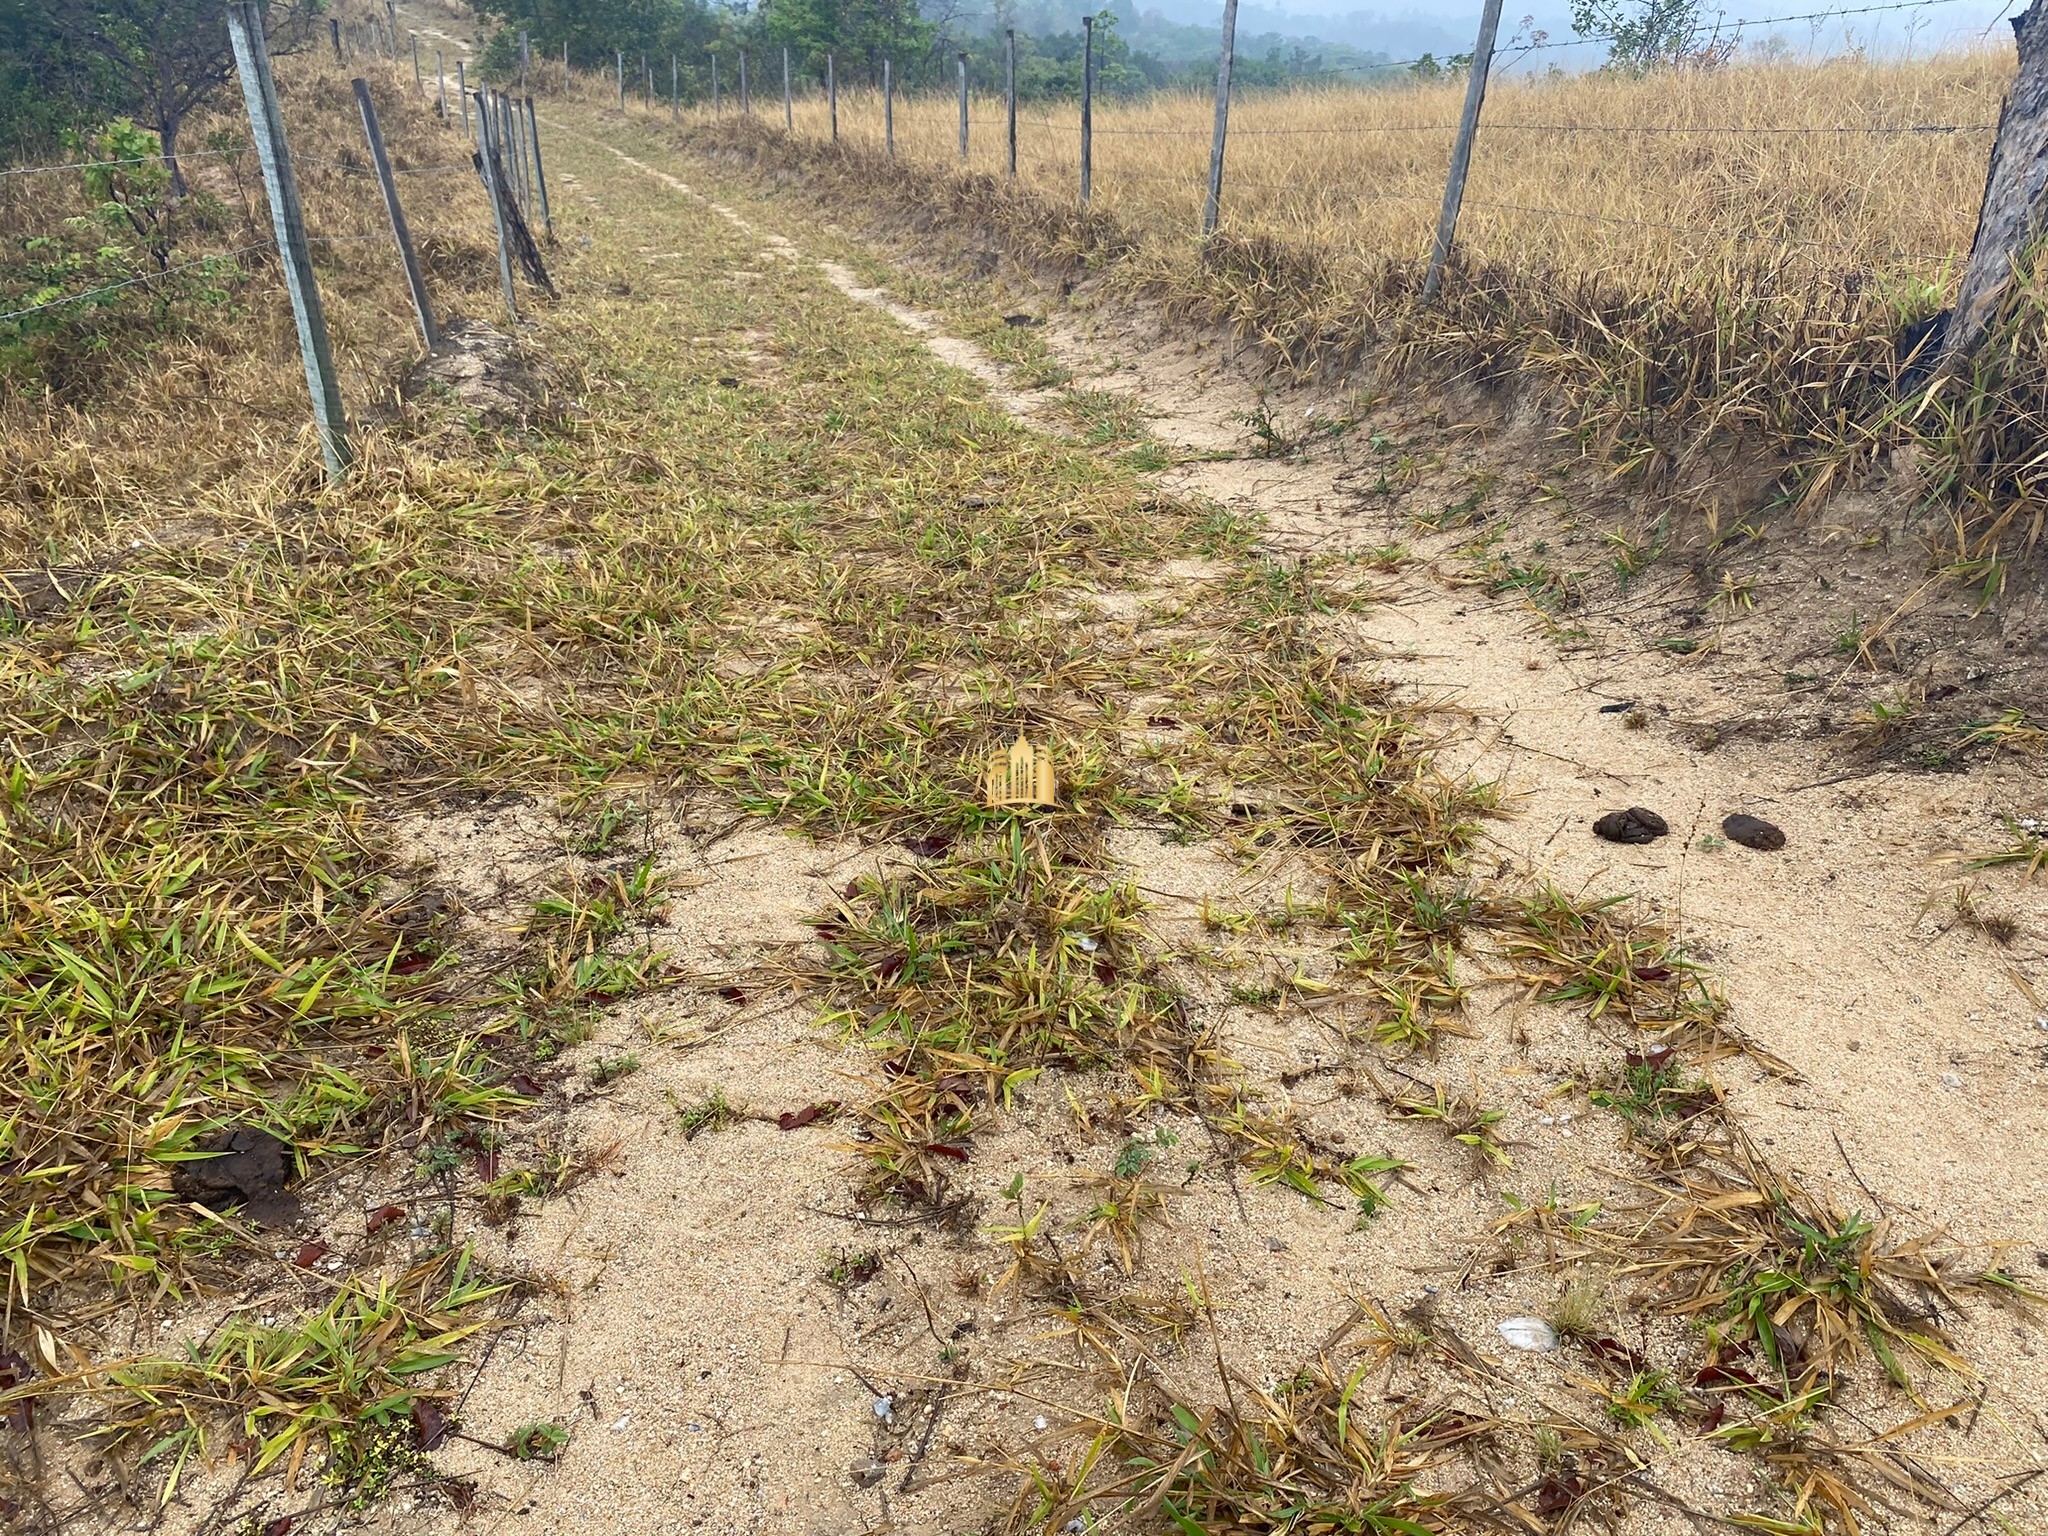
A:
x,y
525,59
462,90
1010,90
963,107
399,232
888,110
746,104
620,55
2014,212
540,173
525,150
788,118
1212,204
832,94
440,86
266,127
1461,152
334,35
419,82
1088,107
714,85
675,90
487,163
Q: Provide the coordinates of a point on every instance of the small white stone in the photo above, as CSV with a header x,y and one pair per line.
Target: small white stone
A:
x,y
1529,1333
1950,1080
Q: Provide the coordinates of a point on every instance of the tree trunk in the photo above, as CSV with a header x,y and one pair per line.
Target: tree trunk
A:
x,y
167,129
2015,209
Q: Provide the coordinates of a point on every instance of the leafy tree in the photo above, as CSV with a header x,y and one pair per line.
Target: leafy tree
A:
x,y
1643,35
859,33
156,60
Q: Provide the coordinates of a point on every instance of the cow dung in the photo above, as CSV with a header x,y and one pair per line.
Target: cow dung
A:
x,y
1637,824
1753,832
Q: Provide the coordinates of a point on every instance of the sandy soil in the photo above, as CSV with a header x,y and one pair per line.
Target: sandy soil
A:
x,y
734,1346
720,1367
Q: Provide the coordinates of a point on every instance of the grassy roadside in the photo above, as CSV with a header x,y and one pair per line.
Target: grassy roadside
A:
x,y
774,551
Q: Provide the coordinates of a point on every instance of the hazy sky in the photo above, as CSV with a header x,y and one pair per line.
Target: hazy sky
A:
x,y
1921,29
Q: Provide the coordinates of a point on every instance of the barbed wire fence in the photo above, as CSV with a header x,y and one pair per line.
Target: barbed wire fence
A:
x,y
501,134
1084,131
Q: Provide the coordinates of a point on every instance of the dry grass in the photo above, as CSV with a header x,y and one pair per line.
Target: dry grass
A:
x,y
185,386
1358,173
1712,309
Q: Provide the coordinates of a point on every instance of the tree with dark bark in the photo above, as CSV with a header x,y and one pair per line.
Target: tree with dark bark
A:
x,y
160,59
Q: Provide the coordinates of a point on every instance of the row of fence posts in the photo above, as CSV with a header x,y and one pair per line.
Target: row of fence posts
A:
x,y
1212,200
507,157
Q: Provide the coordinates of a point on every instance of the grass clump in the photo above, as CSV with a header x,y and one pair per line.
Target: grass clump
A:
x,y
341,1380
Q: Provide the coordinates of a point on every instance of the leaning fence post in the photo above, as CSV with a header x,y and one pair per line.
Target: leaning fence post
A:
x,y
888,111
487,162
832,95
1212,205
421,307
746,106
391,29
334,35
565,66
525,150
462,90
1461,152
1010,90
540,172
440,86
266,127
418,80
1088,107
714,85
963,105
788,117
2015,206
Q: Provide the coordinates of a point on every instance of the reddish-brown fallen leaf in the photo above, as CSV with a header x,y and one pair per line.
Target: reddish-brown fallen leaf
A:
x,y
523,1085
281,1526
797,1119
20,1414
429,1424
382,1217
412,965
958,1154
1555,1495
310,1254
1724,1376
1652,973
1616,1353
732,994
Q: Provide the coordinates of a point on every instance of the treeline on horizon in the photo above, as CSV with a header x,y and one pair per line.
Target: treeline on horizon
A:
x,y
1134,53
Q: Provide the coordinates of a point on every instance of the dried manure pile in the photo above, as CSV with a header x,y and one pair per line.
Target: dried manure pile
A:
x,y
519,1016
